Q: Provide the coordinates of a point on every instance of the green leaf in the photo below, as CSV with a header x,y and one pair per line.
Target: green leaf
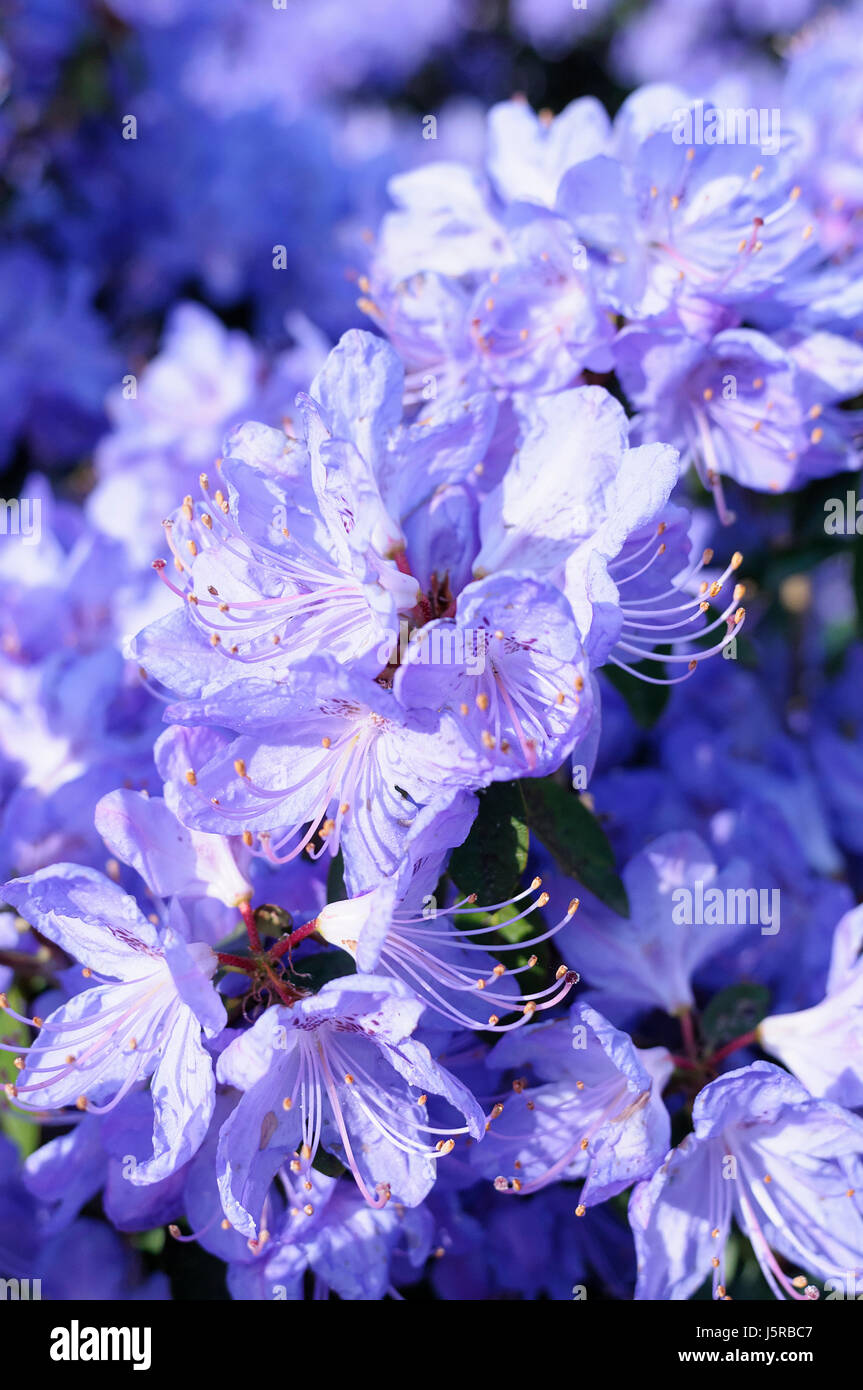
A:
x,y
23,1132
575,839
327,1164
150,1242
732,1012
494,855
336,891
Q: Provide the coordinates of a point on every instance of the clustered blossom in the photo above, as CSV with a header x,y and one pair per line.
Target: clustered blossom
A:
x,y
423,839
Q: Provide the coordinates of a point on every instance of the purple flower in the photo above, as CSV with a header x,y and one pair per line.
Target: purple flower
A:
x,y
48,397
489,1249
528,153
822,88
553,28
673,219
341,1070
590,1107
324,758
142,1020
300,549
822,1045
290,61
744,406
837,750
396,929
101,1153
786,1167
351,1249
88,1261
206,871
649,959
511,670
606,534
475,289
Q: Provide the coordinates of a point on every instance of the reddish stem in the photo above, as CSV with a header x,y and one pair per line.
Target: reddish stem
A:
x,y
286,992
687,1028
743,1041
289,942
244,963
683,1062
248,917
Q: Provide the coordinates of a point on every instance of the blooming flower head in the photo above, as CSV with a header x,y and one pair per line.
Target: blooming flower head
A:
x,y
518,684
396,929
763,1151
351,767
670,217
297,547
427,642
590,1107
606,534
341,1070
143,1018
743,405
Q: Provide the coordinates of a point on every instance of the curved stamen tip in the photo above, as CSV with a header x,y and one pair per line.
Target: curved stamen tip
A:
x,y
809,1290
507,1185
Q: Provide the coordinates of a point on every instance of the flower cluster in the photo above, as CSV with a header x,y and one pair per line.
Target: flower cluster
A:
x,y
430,750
